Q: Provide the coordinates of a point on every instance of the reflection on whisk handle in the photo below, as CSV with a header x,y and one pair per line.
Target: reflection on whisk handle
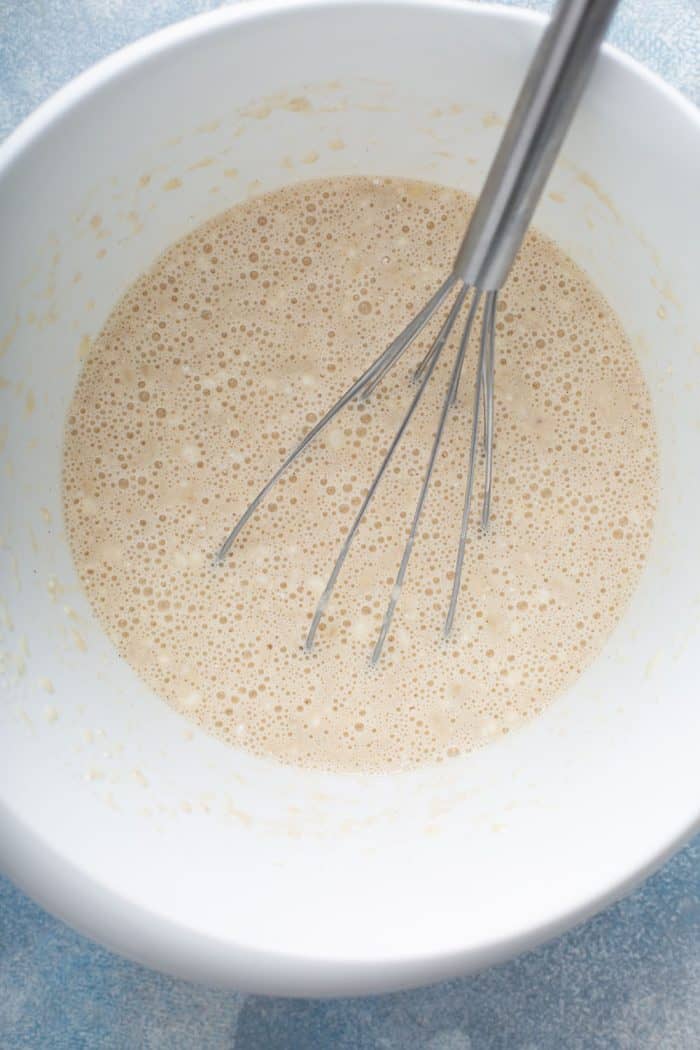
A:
x,y
537,126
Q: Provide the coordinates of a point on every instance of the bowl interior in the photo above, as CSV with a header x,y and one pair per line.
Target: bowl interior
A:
x,y
237,869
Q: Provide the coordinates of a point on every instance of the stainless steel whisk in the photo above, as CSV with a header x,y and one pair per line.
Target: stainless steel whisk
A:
x,y
542,114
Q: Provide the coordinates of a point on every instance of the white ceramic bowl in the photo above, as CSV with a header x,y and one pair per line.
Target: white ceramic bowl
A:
x,y
208,863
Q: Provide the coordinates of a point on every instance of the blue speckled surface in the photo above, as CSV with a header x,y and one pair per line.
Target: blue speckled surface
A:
x,y
630,978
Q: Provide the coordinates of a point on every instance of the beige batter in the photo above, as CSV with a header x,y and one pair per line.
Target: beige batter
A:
x,y
211,368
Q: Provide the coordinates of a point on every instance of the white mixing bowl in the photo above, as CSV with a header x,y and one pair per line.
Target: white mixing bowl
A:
x,y
162,842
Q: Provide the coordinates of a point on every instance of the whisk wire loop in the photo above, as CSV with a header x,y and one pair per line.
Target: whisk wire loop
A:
x,y
438,347
376,371
484,368
437,440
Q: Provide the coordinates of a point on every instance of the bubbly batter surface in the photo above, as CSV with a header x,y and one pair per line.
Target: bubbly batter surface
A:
x,y
217,361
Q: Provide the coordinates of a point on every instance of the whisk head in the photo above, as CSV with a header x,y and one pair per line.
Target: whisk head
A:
x,y
363,387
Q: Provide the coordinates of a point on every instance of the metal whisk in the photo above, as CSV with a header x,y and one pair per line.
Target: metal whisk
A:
x,y
540,119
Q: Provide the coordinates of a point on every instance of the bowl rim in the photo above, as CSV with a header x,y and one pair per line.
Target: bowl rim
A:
x,y
98,911
120,62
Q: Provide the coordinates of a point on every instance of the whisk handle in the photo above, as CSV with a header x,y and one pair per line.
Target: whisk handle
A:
x,y
547,102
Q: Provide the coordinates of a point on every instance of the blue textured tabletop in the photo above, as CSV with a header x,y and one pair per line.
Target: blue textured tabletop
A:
x,y
630,978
